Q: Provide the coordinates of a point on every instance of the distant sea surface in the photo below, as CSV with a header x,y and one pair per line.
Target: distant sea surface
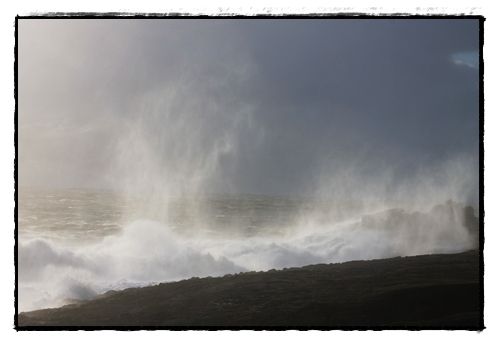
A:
x,y
89,214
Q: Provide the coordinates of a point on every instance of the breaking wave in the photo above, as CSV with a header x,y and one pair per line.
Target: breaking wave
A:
x,y
149,252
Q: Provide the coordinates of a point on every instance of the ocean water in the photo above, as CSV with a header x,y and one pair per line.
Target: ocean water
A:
x,y
77,244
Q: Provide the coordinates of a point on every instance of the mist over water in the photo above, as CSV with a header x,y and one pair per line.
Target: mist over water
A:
x,y
77,244
154,151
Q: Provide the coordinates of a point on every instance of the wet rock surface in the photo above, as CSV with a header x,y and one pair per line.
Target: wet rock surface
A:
x,y
431,290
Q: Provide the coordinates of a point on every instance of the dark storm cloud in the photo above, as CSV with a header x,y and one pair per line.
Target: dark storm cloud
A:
x,y
277,101
378,89
382,72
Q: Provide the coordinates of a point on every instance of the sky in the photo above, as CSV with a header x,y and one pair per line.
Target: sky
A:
x,y
296,107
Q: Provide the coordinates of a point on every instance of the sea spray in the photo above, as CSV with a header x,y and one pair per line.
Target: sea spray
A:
x,y
53,272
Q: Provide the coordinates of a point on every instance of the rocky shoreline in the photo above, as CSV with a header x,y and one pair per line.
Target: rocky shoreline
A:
x,y
430,291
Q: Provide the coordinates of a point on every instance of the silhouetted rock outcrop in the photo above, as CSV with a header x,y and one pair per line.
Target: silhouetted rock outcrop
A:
x,y
443,222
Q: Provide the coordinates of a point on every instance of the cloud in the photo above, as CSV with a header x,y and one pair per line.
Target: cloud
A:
x,y
469,59
241,106
461,63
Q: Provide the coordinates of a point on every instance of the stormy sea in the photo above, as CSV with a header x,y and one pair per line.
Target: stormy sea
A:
x,y
79,244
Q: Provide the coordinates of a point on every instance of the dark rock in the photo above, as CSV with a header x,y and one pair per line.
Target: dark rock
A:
x,y
445,219
432,290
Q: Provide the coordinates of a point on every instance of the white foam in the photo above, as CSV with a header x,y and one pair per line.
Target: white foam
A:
x,y
148,252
